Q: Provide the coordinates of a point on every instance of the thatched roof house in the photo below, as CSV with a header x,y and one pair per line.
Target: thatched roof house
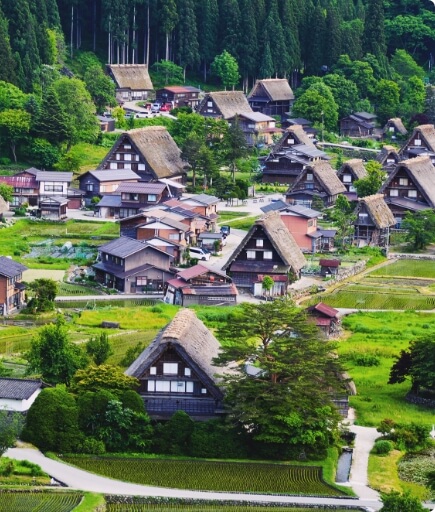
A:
x,y
410,187
224,104
176,371
151,152
132,81
272,96
351,171
293,136
377,209
394,127
318,179
267,249
421,141
374,219
388,157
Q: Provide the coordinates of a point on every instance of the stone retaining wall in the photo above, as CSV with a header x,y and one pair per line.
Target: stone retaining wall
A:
x,y
404,256
418,400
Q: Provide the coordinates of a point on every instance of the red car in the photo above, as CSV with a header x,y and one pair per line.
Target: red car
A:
x,y
166,107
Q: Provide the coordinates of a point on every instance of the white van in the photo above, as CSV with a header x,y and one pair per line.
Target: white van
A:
x,y
199,253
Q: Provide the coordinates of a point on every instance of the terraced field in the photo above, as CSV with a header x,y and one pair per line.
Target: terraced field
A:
x,y
209,507
36,501
211,476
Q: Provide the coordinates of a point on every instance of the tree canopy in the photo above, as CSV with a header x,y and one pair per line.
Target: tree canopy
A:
x,y
282,379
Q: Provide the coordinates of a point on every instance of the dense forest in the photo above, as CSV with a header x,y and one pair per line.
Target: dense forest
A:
x,y
339,55
267,37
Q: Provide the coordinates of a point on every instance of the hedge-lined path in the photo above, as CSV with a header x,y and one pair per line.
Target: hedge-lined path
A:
x,y
82,480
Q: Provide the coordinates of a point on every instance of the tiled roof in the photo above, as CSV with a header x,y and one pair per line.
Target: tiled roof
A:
x,y
54,176
18,389
10,268
122,247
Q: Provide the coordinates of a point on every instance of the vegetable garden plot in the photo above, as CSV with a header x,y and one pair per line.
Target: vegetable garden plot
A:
x,y
18,501
213,476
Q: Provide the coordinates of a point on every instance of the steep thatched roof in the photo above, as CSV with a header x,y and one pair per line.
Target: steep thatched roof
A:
x,y
387,151
422,172
190,338
378,210
326,176
425,132
281,239
158,149
295,132
398,125
354,166
131,76
277,89
230,103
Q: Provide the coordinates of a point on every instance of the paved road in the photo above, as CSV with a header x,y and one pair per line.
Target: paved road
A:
x,y
78,479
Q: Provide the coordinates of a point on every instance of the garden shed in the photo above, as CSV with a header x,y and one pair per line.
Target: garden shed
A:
x,y
329,267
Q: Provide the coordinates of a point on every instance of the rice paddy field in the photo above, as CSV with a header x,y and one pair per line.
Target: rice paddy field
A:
x,y
38,501
403,285
211,475
368,350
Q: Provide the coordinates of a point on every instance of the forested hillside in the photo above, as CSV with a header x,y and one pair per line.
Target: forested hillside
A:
x,y
267,37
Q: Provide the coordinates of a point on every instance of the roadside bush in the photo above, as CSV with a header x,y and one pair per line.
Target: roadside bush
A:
x,y
383,447
92,446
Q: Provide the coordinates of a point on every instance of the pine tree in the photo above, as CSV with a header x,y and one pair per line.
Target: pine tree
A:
x,y
291,36
51,122
333,41
266,67
315,57
168,21
8,64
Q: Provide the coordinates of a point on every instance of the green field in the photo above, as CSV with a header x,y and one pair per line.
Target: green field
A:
x,y
382,336
408,268
38,501
212,476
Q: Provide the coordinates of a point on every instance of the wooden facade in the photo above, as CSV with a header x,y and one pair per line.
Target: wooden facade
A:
x,y
179,96
176,373
11,286
271,96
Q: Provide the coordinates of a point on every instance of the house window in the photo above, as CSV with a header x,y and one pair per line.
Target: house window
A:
x,y
310,223
309,186
203,391
259,243
127,156
141,281
153,370
127,146
209,103
163,385
170,368
52,188
290,141
250,255
347,178
187,372
189,387
113,165
268,255
141,167
89,187
309,176
394,192
417,142
390,160
412,193
118,156
151,385
403,182
178,386
152,198
127,167
174,236
210,110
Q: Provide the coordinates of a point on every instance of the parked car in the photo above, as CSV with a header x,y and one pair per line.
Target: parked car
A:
x,y
142,114
166,107
199,253
155,108
225,230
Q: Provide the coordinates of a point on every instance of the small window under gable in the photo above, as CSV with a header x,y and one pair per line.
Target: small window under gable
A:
x,y
250,255
412,193
417,142
170,368
347,178
268,255
153,370
403,181
259,242
394,192
127,146
187,372
309,176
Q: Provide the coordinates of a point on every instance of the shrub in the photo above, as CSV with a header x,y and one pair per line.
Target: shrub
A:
x,y
92,446
366,360
383,447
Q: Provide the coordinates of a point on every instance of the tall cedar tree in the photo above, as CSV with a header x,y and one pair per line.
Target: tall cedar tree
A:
x,y
208,14
187,40
278,48
282,375
333,39
51,122
374,33
230,27
7,69
315,58
248,42
290,28
169,19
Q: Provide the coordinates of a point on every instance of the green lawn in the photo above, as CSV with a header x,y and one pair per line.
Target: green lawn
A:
x,y
408,268
383,336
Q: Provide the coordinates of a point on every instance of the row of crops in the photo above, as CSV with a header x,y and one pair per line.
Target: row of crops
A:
x,y
86,304
36,501
211,476
130,507
378,300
